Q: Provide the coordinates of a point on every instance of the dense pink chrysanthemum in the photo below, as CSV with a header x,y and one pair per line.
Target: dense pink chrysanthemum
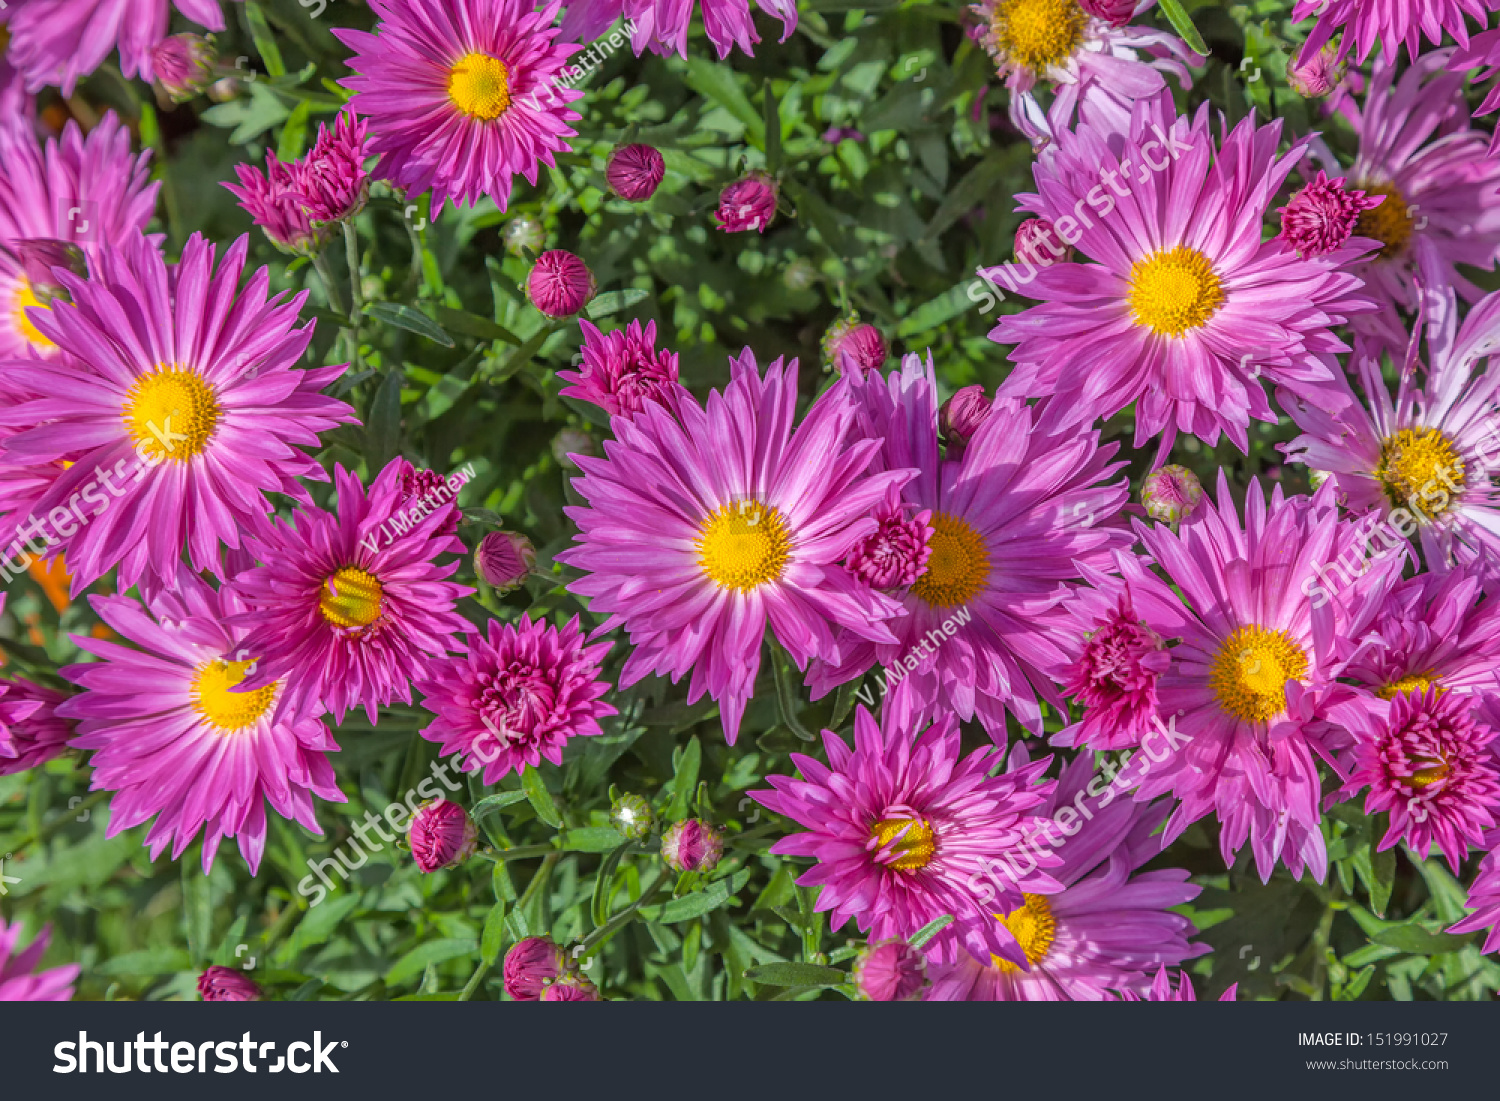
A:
x,y
462,95
519,695
703,524
349,611
178,736
1011,522
31,731
662,25
1184,308
17,981
1108,926
277,202
90,192
59,42
903,829
896,553
623,370
332,179
1388,22
1098,67
1322,216
182,385
1252,682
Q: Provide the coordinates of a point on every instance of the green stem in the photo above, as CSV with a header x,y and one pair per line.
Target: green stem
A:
x,y
58,823
625,916
474,980
330,288
356,291
520,852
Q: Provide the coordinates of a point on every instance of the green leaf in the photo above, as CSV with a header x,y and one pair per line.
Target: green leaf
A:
x,y
541,799
148,961
717,82
1416,941
1356,986
591,839
198,911
935,311
701,902
461,321
810,975
599,905
383,434
686,762
614,301
1183,25
772,122
494,933
434,951
404,317
265,41
294,133
491,803
930,930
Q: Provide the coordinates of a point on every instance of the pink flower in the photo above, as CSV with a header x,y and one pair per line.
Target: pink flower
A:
x,y
530,965
692,846
1318,75
1037,244
560,284
1171,493
890,971
17,983
960,417
623,370
851,345
224,984
332,183
441,834
274,199
1322,216
31,731
1116,677
895,554
184,65
504,559
748,203
635,171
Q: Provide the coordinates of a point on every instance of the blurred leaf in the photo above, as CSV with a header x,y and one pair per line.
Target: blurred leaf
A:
x,y
541,799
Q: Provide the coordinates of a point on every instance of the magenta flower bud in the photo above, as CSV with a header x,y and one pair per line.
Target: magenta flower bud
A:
x,y
635,171
692,846
1114,12
572,441
333,182
224,984
441,834
1322,216
1171,493
836,134
183,65
961,415
1321,74
523,234
748,203
632,816
571,987
1037,244
852,346
504,559
560,284
530,965
39,255
890,971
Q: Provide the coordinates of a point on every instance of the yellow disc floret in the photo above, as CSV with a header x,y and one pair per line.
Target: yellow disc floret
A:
x,y
26,299
351,598
1174,291
1420,468
1038,34
914,841
959,565
1251,670
743,545
1390,223
479,86
215,699
1034,928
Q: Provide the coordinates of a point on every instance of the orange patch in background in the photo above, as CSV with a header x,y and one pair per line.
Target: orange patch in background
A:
x,y
53,578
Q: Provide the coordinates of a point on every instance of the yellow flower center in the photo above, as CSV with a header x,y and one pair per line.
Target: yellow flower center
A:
x,y
959,565
351,598
1037,34
1390,223
215,699
479,86
1430,773
1174,290
913,841
172,412
744,545
26,299
1034,928
1416,462
1416,682
1250,672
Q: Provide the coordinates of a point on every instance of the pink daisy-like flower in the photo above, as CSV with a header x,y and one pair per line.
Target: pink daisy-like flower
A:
x,y
1389,22
1484,900
1107,926
345,619
703,524
277,201
58,42
1163,991
1322,216
902,829
623,370
1419,463
1251,685
1428,762
1481,58
17,981
1012,520
332,180
177,734
31,731
90,192
520,694
1441,188
662,26
1183,308
889,971
181,385
1098,67
461,94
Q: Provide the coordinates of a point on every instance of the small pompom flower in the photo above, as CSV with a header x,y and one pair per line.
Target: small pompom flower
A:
x,y
348,621
854,346
1323,215
1115,678
519,695
1171,493
692,846
1318,75
504,559
896,553
632,816
622,370
225,984
1037,244
17,981
890,971
441,834
635,171
960,417
184,65
560,284
1431,767
332,182
530,965
748,203
570,986
273,198
31,732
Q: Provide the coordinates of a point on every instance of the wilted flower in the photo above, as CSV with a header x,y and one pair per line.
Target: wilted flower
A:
x,y
692,846
441,834
631,814
1171,493
748,203
224,984
530,965
635,171
560,284
184,65
890,971
504,559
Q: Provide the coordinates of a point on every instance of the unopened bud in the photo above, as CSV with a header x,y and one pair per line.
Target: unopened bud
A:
x,y
504,559
1171,493
441,834
692,846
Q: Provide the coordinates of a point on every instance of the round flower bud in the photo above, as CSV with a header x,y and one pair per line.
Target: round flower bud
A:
x,y
890,971
504,559
560,284
184,66
572,441
441,834
530,965
631,815
961,415
39,255
225,984
748,203
800,274
692,846
1037,244
1171,493
1114,12
1319,75
852,346
635,171
570,986
523,233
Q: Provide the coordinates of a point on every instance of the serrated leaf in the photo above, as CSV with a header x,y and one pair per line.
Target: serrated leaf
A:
x,y
541,799
810,975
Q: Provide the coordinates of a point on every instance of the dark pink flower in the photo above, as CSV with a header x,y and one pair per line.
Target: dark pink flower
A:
x,y
504,559
1115,678
622,370
748,203
333,183
1114,12
960,417
184,65
530,965
852,346
635,171
570,987
31,732
441,834
890,971
560,284
692,846
225,984
895,554
274,199
1318,75
18,983
1037,244
1323,215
